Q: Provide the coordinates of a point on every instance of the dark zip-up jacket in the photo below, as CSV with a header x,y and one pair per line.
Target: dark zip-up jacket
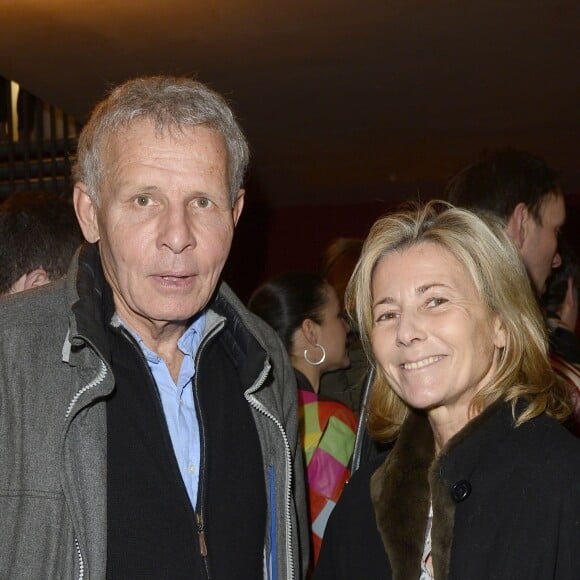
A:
x,y
53,438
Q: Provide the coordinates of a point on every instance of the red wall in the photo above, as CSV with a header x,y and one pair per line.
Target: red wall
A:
x,y
269,241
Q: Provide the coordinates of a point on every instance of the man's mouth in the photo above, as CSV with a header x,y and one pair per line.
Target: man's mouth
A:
x,y
174,277
175,280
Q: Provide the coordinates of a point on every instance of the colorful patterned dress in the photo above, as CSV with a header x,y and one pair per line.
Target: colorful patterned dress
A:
x,y
327,433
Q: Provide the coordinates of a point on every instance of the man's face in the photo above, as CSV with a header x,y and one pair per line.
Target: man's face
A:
x,y
539,248
165,223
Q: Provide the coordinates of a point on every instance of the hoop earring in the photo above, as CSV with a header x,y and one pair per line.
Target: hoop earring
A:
x,y
322,358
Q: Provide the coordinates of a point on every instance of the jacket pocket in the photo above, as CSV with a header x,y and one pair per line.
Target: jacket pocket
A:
x,y
36,536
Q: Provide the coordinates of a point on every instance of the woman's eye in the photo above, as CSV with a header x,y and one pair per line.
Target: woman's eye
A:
x,y
436,302
385,316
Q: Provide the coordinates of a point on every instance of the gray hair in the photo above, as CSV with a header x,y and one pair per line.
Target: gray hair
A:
x,y
169,102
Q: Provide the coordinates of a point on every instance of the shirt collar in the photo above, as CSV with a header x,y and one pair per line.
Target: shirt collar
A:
x,y
188,343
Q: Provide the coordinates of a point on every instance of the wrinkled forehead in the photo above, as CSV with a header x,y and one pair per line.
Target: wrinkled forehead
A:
x,y
142,139
442,259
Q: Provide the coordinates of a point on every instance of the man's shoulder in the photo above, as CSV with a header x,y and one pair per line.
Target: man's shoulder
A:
x,y
235,309
38,306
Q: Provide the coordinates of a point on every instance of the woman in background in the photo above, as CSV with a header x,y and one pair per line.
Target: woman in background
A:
x,y
483,479
305,312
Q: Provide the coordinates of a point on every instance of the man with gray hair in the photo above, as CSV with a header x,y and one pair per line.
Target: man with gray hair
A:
x,y
147,419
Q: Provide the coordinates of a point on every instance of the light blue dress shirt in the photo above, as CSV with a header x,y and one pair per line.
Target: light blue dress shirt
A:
x,y
178,403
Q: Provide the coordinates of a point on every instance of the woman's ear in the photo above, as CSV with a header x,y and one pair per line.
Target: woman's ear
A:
x,y
310,330
500,334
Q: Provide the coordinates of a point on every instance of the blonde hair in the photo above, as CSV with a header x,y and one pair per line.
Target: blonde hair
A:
x,y
481,245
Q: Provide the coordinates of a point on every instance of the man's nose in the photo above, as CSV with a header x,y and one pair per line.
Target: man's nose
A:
x,y
176,230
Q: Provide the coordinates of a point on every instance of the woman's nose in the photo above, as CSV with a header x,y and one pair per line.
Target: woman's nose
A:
x,y
409,329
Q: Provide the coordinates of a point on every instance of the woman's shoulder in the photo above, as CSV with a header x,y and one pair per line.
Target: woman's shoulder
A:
x,y
352,546
543,441
356,499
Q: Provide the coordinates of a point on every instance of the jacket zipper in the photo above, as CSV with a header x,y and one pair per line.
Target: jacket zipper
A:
x,y
198,515
288,454
81,561
201,535
199,511
102,373
95,382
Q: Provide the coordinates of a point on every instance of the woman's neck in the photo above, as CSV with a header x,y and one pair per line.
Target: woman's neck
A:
x,y
311,372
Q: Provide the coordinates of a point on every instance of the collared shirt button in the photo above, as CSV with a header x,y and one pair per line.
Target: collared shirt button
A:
x,y
191,468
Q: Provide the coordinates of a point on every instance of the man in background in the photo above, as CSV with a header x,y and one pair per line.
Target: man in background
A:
x,y
39,235
523,191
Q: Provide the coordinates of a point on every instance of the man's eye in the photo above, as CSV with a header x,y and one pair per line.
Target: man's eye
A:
x,y
202,202
142,200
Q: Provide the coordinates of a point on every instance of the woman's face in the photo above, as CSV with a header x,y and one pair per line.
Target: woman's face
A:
x,y
432,334
333,331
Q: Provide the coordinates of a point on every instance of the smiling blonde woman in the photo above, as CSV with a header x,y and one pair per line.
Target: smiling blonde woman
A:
x,y
482,481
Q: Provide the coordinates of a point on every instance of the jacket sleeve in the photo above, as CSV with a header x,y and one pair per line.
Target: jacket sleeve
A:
x,y
568,536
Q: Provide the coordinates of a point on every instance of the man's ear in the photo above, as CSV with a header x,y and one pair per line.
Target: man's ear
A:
x,y
86,213
36,277
238,205
518,224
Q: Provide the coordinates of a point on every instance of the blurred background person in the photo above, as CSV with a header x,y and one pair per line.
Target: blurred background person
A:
x,y
337,264
527,195
307,315
39,234
483,479
560,303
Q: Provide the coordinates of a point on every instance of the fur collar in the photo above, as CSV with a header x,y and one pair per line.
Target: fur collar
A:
x,y
402,488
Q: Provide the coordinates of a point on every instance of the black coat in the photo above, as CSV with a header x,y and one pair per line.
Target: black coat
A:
x,y
506,504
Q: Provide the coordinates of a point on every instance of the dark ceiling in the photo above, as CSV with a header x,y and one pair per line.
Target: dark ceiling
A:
x,y
342,101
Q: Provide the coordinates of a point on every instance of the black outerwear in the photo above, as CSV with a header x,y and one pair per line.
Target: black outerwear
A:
x,y
506,505
152,529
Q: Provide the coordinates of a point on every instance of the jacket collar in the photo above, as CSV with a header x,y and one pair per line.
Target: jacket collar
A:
x,y
411,477
91,297
92,308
